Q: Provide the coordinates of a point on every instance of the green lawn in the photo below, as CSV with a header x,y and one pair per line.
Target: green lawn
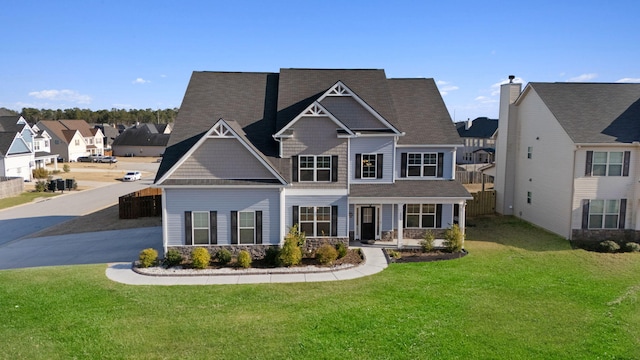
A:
x,y
521,293
25,197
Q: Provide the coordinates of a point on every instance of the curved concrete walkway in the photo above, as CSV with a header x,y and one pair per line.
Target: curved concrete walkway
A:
x,y
375,262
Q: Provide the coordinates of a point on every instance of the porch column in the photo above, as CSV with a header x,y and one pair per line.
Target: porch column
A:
x,y
55,163
400,226
462,217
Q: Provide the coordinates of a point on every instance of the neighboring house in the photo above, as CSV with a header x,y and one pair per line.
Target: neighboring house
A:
x,y
479,137
567,158
142,140
73,138
42,148
18,144
343,154
110,134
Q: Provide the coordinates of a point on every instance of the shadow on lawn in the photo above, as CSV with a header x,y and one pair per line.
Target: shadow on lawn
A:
x,y
511,231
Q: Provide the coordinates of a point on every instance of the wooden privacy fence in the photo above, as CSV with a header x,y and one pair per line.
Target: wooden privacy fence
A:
x,y
473,177
483,203
144,203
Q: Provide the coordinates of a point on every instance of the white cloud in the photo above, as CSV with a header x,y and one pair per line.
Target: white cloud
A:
x,y
583,77
62,95
446,87
495,88
628,80
140,81
485,100
122,106
163,76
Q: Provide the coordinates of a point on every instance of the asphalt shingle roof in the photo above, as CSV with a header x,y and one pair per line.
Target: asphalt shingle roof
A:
x,y
143,135
594,112
411,189
481,127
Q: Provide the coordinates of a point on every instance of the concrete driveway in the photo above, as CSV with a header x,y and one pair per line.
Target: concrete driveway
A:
x,y
17,223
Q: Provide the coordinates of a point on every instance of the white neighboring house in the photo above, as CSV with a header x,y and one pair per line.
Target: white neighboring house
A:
x,y
73,138
18,142
567,158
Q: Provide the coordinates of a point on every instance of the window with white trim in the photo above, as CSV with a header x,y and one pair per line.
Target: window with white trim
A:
x,y
200,227
36,146
529,152
369,163
420,216
422,164
246,227
314,168
604,214
315,220
607,163
77,142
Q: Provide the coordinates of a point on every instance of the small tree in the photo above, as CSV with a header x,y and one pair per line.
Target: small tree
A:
x,y
40,173
426,244
291,254
453,239
66,168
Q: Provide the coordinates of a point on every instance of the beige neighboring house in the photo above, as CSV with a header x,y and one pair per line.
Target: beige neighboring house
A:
x,y
567,158
73,138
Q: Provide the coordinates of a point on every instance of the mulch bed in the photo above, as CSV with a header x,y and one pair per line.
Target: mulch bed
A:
x,y
416,255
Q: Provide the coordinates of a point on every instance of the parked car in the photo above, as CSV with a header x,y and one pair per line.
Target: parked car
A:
x,y
109,159
132,176
96,158
84,159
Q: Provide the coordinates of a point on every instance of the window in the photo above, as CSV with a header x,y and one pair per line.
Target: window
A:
x,y
420,216
315,220
529,152
369,166
77,142
46,143
36,146
57,142
607,163
603,214
315,168
246,227
200,227
528,197
422,164
90,141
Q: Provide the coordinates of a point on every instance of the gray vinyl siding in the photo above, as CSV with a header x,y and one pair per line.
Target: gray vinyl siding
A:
x,y
315,200
223,201
351,113
376,145
317,136
387,217
448,170
222,158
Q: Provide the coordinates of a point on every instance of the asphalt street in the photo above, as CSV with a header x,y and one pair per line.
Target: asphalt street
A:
x,y
17,223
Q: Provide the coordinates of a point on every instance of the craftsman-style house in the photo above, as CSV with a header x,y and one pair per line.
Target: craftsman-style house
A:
x,y
344,154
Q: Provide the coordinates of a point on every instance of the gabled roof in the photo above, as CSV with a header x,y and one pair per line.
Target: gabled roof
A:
x,y
6,139
10,123
481,127
80,125
143,135
66,129
593,112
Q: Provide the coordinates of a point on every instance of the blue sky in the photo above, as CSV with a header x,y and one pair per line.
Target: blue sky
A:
x,y
140,54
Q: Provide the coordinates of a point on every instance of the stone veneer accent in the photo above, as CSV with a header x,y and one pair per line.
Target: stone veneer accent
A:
x,y
590,239
412,234
259,251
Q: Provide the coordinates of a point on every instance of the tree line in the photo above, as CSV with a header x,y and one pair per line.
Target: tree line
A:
x,y
113,116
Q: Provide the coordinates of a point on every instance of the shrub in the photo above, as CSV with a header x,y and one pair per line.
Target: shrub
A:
x,y
271,256
394,254
41,186
66,168
297,235
40,173
632,247
609,246
148,257
244,259
453,239
172,258
326,254
426,244
342,250
200,258
290,254
223,256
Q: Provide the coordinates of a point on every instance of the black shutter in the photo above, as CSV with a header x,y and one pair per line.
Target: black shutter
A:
x,y
585,213
587,167
439,216
627,158
440,165
258,227
358,166
213,227
334,168
188,238
379,166
294,217
403,165
234,227
623,213
294,168
334,221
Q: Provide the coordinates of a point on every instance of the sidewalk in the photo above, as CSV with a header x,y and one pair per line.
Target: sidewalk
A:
x,y
374,262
